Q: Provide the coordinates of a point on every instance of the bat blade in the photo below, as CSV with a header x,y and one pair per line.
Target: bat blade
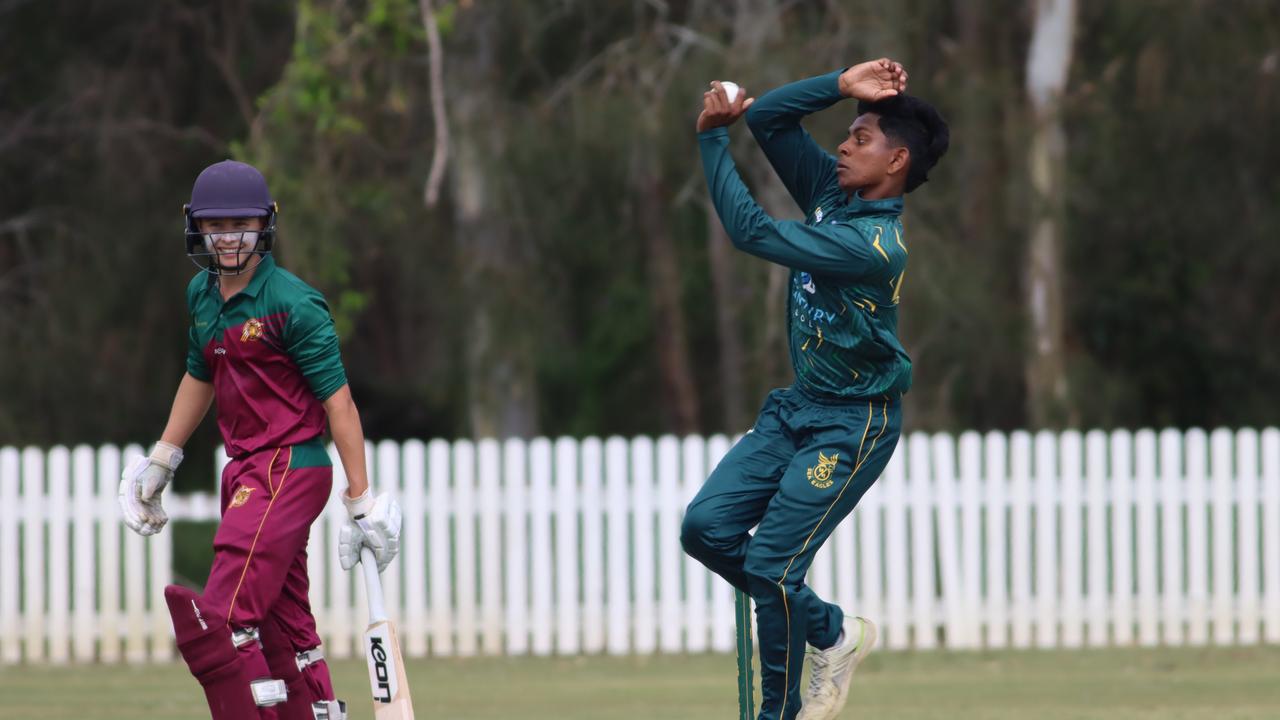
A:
x,y
387,680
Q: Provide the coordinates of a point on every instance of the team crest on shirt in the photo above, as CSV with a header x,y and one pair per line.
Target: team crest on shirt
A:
x,y
241,497
817,214
252,330
821,475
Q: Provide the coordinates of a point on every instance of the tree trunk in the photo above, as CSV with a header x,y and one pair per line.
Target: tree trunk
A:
x,y
501,398
679,390
728,335
1048,63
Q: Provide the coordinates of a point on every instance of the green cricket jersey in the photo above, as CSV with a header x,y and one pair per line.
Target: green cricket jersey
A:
x,y
270,352
847,257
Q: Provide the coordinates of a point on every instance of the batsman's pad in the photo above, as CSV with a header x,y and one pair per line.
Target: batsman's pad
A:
x,y
205,642
305,673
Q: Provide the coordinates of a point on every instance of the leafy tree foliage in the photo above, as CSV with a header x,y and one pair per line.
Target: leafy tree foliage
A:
x,y
571,261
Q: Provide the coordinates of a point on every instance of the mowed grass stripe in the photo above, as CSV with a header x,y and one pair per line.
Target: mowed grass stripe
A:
x,y
1170,684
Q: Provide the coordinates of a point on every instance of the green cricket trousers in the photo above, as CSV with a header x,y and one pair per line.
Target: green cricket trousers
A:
x,y
796,474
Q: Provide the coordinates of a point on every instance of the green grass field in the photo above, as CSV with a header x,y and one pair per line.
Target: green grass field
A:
x,y
1222,684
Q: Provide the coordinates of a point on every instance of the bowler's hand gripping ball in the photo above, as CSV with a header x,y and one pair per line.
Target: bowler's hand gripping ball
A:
x,y
730,89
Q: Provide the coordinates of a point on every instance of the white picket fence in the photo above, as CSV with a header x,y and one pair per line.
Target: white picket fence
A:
x,y
572,546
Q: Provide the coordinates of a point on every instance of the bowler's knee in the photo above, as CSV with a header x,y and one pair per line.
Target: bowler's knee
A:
x,y
698,532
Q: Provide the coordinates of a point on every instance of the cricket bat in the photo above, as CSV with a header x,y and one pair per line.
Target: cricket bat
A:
x,y
390,687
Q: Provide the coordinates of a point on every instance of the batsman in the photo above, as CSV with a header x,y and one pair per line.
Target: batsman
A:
x,y
262,345
819,444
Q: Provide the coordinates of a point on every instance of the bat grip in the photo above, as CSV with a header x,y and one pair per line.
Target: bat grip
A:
x,y
372,586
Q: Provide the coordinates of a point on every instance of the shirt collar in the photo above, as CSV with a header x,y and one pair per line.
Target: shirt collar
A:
x,y
883,206
266,266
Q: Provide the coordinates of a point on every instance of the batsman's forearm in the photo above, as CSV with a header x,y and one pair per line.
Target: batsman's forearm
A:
x,y
348,437
190,405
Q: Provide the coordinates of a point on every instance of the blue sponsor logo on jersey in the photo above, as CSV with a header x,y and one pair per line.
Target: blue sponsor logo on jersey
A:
x,y
806,282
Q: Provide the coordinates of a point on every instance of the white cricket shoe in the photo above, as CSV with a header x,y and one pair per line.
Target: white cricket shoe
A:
x,y
832,669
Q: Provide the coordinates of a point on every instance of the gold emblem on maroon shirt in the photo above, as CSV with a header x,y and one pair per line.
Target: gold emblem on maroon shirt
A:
x,y
252,330
241,497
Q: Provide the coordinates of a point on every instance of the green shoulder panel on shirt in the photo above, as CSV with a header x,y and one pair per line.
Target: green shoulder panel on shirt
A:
x,y
196,365
310,337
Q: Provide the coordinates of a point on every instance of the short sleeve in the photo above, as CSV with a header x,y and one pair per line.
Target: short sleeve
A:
x,y
196,365
312,343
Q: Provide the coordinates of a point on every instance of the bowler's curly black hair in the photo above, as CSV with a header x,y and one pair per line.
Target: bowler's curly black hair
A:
x,y
909,121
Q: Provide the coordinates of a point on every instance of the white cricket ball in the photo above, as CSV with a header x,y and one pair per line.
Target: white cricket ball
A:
x,y
730,89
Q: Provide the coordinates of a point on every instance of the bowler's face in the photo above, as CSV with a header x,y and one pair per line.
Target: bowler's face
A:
x,y
864,156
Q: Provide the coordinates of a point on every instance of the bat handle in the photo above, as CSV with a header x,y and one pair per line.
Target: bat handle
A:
x,y
372,586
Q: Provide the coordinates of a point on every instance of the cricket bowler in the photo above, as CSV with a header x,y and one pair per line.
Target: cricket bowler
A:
x,y
262,345
819,444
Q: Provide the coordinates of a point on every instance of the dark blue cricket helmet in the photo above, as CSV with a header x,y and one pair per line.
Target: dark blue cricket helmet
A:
x,y
228,189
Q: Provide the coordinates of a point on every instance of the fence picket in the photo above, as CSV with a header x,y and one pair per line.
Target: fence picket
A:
x,y
1197,538
59,560
109,528
1145,498
516,517
1097,546
33,547
617,538
1271,533
1172,488
970,485
955,622
566,541
1246,555
413,547
440,548
10,476
1020,539
1072,547
995,455
1223,537
1047,562
540,564
923,586
489,500
593,620
669,554
83,581
1122,537
464,555
645,561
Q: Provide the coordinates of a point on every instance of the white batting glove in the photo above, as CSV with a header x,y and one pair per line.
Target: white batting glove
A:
x,y
141,486
375,524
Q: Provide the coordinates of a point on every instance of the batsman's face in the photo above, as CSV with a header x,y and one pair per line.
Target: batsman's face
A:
x,y
231,239
866,158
